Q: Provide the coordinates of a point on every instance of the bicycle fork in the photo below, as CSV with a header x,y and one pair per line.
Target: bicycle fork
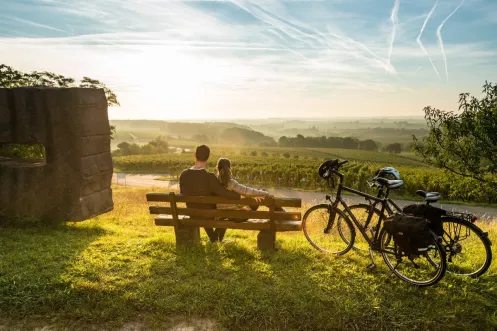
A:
x,y
333,213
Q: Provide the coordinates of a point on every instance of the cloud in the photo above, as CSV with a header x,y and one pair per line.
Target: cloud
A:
x,y
394,18
185,54
418,39
440,40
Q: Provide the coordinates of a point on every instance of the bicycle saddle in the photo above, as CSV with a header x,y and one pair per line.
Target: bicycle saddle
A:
x,y
389,183
429,196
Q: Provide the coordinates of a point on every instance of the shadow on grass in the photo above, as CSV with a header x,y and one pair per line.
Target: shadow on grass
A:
x,y
33,259
79,277
298,289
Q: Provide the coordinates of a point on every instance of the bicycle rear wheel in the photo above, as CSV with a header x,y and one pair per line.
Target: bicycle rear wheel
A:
x,y
467,247
340,237
361,213
424,269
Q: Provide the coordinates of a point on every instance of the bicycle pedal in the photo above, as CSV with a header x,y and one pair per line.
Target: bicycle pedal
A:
x,y
371,266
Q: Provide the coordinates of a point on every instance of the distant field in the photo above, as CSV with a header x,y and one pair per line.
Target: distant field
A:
x,y
270,168
405,158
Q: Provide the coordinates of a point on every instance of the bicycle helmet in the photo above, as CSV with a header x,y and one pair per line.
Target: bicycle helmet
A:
x,y
326,167
388,173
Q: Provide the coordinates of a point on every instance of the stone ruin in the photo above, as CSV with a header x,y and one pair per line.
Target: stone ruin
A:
x,y
73,182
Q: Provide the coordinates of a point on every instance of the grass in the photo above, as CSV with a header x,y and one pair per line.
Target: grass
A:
x,y
119,268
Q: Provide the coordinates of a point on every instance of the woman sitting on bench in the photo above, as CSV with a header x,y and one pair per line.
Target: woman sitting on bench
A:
x,y
224,176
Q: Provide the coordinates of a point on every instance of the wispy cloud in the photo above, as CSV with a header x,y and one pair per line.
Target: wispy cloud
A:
x,y
28,22
418,39
440,40
394,18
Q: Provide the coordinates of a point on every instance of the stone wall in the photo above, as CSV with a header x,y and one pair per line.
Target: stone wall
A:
x,y
73,184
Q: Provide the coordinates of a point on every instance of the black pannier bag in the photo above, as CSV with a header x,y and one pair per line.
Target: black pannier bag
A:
x,y
410,233
433,214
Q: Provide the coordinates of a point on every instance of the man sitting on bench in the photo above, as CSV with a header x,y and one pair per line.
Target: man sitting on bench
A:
x,y
197,181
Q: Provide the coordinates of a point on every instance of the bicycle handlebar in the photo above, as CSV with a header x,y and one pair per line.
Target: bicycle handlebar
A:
x,y
335,169
337,166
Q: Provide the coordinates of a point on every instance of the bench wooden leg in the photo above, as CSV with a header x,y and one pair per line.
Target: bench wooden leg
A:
x,y
187,235
266,240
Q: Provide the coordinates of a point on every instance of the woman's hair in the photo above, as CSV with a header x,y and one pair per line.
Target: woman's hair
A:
x,y
224,171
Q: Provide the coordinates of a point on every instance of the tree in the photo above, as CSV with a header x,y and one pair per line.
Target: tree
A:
x,y
283,141
368,145
160,143
395,148
124,147
10,77
350,143
465,143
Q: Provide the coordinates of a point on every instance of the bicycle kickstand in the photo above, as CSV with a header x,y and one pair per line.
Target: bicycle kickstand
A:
x,y
371,266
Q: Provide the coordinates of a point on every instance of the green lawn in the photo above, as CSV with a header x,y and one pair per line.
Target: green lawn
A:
x,y
120,268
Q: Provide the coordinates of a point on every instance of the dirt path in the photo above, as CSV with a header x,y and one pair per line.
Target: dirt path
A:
x,y
148,180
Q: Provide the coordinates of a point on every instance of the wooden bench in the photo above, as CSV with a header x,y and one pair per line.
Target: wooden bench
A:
x,y
188,221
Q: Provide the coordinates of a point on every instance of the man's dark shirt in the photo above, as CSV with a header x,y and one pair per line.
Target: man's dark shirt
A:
x,y
198,182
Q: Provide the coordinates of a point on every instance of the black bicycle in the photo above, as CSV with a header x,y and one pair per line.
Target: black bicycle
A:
x,y
330,230
467,247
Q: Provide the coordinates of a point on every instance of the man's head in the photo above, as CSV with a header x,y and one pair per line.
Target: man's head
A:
x,y
202,154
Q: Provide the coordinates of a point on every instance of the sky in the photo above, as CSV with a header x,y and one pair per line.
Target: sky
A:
x,y
185,59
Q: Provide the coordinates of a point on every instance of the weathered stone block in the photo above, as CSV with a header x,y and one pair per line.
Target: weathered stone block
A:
x,y
5,118
95,144
95,164
93,205
90,126
87,97
74,182
96,183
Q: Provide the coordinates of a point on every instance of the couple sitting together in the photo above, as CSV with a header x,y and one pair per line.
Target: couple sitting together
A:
x,y
197,181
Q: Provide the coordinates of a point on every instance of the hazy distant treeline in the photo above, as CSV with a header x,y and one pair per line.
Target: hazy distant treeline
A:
x,y
257,132
328,142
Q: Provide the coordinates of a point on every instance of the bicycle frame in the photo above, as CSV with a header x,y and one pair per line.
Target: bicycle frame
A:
x,y
377,200
386,201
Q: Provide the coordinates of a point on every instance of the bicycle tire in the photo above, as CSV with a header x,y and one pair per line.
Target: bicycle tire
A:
x,y
449,247
325,209
441,267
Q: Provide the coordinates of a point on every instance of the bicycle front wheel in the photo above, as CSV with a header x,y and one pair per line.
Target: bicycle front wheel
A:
x,y
339,238
467,247
423,269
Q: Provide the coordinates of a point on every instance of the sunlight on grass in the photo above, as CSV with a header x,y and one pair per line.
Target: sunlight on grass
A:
x,y
120,267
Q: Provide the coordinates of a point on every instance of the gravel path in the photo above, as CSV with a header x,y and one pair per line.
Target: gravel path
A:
x,y
148,180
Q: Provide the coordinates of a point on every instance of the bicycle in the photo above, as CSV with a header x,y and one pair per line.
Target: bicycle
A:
x,y
462,238
428,270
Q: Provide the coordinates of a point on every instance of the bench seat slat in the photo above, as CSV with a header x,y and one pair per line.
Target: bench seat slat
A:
x,y
257,225
211,213
279,202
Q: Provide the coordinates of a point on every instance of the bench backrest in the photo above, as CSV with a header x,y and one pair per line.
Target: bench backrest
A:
x,y
175,211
